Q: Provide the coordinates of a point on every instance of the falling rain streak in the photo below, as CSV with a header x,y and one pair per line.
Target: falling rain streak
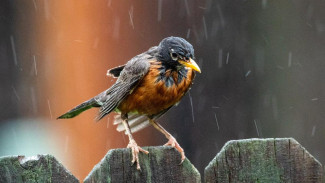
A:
x,y
225,97
116,30
191,102
159,10
215,117
264,4
48,103
290,59
96,41
107,125
227,59
35,66
247,73
15,92
258,134
13,49
205,28
279,67
188,33
313,131
131,17
109,3
35,5
187,8
46,9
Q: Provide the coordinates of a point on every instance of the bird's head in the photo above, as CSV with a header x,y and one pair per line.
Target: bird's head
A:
x,y
177,52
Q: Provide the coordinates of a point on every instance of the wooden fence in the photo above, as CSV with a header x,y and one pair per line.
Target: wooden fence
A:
x,y
250,160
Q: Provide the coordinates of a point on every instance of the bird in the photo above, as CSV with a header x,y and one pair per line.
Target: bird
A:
x,y
147,86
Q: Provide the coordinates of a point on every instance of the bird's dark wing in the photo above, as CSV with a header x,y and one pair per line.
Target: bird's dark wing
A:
x,y
115,72
129,77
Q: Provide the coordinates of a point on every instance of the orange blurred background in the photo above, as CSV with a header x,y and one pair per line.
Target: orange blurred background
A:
x,y
81,55
75,42
80,41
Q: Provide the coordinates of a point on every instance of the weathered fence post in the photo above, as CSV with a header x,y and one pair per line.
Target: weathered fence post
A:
x,y
41,168
264,160
160,165
250,160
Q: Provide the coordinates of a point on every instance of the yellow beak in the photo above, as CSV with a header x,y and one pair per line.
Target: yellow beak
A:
x,y
190,63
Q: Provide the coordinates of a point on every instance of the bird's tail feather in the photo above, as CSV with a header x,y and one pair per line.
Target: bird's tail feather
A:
x,y
136,122
79,109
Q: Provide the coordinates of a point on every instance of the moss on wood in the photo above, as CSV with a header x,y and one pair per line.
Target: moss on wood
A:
x,y
264,160
41,168
160,165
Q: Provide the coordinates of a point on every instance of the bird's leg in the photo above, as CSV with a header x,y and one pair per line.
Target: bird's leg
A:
x,y
135,149
171,140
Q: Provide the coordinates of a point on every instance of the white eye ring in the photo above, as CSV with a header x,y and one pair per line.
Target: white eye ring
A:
x,y
174,56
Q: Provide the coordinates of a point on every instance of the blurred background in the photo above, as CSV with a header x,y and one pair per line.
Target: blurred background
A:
x,y
262,75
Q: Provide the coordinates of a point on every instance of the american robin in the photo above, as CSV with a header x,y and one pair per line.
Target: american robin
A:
x,y
147,86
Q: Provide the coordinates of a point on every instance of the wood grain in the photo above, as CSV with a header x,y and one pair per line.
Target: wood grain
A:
x,y
160,165
264,160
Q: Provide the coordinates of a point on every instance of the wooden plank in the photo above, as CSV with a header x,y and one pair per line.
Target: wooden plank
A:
x,y
160,165
264,160
41,168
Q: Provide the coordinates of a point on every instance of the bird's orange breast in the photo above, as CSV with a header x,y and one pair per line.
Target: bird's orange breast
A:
x,y
151,96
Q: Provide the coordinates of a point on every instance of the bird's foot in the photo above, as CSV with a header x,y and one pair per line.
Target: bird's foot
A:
x,y
173,143
135,149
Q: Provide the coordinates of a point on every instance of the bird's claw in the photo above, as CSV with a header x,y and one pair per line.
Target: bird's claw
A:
x,y
135,149
173,143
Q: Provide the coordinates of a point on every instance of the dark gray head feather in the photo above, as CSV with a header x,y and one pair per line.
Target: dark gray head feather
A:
x,y
178,45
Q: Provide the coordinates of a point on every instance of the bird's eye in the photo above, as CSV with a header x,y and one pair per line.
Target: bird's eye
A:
x,y
174,56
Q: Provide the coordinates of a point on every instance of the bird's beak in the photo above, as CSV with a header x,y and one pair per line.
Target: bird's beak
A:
x,y
190,63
